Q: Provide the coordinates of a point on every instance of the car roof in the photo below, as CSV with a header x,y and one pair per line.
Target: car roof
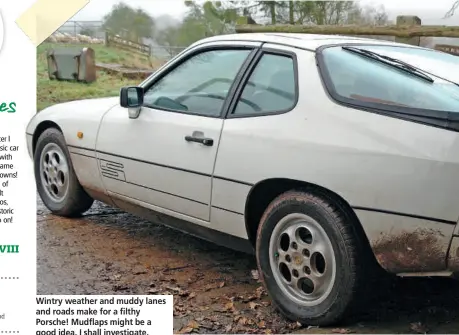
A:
x,y
438,67
305,41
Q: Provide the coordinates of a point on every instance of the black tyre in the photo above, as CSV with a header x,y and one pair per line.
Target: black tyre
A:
x,y
56,180
309,259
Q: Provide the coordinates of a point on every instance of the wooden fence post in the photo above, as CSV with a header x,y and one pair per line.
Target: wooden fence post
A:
x,y
408,21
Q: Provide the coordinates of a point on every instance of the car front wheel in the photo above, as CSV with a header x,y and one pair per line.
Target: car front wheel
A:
x,y
56,180
308,259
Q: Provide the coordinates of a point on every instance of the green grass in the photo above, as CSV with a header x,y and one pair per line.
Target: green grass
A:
x,y
50,92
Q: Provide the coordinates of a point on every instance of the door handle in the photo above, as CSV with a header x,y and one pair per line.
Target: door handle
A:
x,y
203,140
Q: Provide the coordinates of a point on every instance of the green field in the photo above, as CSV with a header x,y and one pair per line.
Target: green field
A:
x,y
50,92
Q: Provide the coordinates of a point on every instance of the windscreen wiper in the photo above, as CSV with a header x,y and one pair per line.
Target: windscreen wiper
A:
x,y
391,62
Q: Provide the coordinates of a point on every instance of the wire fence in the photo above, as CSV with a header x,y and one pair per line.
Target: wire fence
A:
x,y
89,28
74,30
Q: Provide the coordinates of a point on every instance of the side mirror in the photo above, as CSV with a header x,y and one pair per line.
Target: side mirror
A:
x,y
131,97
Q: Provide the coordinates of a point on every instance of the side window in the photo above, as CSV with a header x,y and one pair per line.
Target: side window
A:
x,y
199,85
271,87
361,81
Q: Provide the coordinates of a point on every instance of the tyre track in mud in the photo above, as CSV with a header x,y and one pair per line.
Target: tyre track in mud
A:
x,y
111,252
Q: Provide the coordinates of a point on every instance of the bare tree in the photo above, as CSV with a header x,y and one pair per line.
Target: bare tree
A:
x,y
452,10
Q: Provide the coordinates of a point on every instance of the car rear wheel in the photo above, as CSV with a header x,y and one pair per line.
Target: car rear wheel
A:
x,y
55,178
308,259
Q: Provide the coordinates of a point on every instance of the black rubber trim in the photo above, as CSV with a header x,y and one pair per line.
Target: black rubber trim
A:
x,y
80,154
165,166
82,148
233,92
403,214
274,43
234,181
174,195
249,184
433,118
161,165
155,164
156,190
245,79
227,210
117,195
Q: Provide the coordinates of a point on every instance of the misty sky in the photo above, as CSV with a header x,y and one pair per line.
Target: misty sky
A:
x,y
431,12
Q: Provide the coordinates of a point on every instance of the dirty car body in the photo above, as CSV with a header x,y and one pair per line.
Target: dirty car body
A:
x,y
215,136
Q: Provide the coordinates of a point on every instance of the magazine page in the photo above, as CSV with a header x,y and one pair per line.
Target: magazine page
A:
x,y
229,167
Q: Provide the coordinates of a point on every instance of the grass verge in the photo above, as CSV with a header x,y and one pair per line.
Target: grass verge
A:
x,y
50,92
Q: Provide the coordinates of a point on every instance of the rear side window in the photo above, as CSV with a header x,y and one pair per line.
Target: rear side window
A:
x,y
359,80
271,87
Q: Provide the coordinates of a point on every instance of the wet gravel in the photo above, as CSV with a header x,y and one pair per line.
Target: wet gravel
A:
x,y
108,251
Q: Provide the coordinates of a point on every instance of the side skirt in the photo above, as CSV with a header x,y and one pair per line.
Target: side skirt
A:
x,y
200,231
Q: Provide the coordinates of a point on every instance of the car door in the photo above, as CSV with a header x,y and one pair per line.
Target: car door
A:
x,y
165,157
258,121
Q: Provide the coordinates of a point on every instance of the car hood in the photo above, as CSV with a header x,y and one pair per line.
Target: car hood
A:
x,y
82,106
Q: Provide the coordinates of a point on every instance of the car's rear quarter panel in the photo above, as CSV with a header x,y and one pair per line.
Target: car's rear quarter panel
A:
x,y
375,163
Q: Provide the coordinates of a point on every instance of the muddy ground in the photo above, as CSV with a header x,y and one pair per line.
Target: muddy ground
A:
x,y
111,252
